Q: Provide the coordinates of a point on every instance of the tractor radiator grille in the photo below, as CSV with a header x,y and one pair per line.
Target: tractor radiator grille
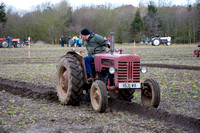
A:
x,y
128,72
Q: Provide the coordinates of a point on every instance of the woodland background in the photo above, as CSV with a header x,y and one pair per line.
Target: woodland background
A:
x,y
47,22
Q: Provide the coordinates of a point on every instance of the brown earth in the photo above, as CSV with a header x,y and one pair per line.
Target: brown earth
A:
x,y
30,104
47,95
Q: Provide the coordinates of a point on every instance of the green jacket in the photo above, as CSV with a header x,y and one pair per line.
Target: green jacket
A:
x,y
94,44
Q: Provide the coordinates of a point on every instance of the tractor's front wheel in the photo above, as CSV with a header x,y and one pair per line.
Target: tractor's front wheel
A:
x,y
168,43
69,80
99,96
150,95
196,53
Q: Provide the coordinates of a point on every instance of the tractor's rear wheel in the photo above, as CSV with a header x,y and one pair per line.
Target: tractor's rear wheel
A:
x,y
99,96
4,43
126,94
196,53
69,80
150,95
156,42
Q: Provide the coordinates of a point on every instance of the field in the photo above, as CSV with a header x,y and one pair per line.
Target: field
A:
x,y
29,102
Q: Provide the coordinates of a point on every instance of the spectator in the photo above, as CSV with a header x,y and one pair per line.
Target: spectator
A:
x,y
24,41
94,44
62,41
69,41
9,42
157,35
108,39
74,39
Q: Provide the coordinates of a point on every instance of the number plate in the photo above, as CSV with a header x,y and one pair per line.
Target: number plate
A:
x,y
129,85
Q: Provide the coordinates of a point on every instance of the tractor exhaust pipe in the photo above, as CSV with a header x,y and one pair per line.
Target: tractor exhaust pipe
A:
x,y
112,42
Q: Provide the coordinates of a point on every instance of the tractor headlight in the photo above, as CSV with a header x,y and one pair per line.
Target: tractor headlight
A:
x,y
143,69
111,70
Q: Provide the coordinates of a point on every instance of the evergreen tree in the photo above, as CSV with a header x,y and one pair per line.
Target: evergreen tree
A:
x,y
2,13
137,23
136,26
152,10
152,23
3,19
198,19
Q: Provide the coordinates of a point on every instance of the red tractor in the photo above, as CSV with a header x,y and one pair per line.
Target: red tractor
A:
x,y
116,75
197,51
4,43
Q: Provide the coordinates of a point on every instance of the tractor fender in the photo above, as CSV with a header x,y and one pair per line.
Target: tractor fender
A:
x,y
81,59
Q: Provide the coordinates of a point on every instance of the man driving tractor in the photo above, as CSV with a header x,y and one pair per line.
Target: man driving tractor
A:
x,y
94,44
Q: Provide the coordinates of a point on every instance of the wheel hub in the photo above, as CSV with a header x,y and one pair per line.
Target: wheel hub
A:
x,y
156,42
96,96
148,93
4,44
64,82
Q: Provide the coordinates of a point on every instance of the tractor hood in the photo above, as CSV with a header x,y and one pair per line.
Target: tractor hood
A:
x,y
107,60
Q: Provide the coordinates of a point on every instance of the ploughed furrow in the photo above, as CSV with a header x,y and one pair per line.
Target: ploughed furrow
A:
x,y
171,66
49,93
30,90
157,114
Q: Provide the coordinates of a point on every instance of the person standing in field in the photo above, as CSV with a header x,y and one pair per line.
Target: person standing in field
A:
x,y
74,40
62,41
108,40
69,41
9,42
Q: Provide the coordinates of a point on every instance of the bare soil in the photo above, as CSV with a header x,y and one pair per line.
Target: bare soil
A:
x,y
29,101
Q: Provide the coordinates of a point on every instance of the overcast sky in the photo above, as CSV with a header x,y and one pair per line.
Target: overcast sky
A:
x,y
27,4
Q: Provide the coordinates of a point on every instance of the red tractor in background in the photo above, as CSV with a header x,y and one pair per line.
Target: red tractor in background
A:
x,y
197,51
116,75
4,43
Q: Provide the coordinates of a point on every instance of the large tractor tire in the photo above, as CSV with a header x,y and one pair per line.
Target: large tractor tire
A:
x,y
70,80
150,95
125,94
196,53
156,42
99,96
4,43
